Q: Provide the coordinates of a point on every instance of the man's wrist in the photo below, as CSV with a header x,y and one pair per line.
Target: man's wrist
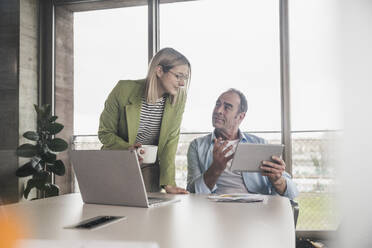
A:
x,y
280,181
280,185
215,170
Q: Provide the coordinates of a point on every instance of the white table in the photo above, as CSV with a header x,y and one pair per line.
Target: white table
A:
x,y
195,221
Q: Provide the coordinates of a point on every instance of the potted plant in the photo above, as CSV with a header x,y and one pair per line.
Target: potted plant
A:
x,y
43,154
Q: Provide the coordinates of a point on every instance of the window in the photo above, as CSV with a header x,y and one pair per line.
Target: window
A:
x,y
109,45
315,109
234,45
230,44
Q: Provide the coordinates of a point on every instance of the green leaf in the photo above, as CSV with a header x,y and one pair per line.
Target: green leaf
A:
x,y
25,170
35,163
45,110
51,190
54,128
40,181
31,135
57,145
58,168
41,178
44,148
37,109
49,157
39,124
26,150
30,184
53,118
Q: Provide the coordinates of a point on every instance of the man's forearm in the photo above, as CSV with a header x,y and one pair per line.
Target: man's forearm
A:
x,y
280,185
210,176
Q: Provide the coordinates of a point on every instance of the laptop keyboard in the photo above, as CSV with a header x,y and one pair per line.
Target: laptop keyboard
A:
x,y
154,200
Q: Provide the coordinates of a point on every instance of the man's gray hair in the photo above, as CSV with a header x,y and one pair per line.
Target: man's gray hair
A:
x,y
243,100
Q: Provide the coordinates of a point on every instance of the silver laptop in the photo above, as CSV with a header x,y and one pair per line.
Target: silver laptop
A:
x,y
112,177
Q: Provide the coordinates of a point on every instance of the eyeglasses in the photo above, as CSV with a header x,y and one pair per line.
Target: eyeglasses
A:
x,y
179,77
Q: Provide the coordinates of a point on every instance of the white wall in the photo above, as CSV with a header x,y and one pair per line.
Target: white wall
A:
x,y
355,156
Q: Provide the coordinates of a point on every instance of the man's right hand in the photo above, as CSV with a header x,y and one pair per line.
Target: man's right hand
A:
x,y
219,162
219,154
135,147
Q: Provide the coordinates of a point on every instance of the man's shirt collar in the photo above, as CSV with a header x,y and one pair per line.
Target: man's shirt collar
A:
x,y
242,137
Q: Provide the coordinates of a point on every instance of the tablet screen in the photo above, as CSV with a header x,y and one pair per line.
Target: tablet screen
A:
x,y
248,157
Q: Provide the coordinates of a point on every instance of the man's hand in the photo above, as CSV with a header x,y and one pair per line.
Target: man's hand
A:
x,y
135,147
274,171
175,190
219,162
219,154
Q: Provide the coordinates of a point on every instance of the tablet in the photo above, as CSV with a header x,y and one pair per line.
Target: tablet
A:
x,y
249,157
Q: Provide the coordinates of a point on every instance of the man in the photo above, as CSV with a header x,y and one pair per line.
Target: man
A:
x,y
209,157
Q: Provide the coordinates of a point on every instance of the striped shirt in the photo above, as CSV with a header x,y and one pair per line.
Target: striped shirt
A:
x,y
150,122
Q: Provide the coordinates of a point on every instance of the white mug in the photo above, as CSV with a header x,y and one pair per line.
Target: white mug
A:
x,y
149,157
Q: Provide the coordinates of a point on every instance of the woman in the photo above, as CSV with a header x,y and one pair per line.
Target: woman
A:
x,y
149,112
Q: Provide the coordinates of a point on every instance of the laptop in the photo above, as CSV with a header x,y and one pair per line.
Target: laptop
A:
x,y
112,177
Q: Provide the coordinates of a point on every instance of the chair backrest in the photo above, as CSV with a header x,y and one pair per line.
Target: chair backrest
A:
x,y
296,210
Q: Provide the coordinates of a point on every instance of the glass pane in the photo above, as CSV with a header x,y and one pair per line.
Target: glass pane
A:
x,y
109,45
313,161
316,109
315,85
229,45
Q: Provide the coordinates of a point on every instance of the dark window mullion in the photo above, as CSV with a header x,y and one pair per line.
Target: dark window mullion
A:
x,y
153,28
284,84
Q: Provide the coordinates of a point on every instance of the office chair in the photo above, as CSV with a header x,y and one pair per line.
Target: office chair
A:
x,y
296,210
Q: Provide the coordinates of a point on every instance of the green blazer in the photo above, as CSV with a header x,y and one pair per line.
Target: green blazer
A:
x,y
120,118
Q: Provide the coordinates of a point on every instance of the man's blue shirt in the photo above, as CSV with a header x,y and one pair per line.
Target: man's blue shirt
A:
x,y
200,157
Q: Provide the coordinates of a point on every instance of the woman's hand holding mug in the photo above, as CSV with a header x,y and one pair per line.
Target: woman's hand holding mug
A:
x,y
135,147
146,153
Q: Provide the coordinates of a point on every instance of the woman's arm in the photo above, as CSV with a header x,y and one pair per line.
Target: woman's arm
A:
x,y
167,159
108,124
168,156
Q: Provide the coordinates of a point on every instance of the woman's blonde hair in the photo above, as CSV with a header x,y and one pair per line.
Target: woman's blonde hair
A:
x,y
167,58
